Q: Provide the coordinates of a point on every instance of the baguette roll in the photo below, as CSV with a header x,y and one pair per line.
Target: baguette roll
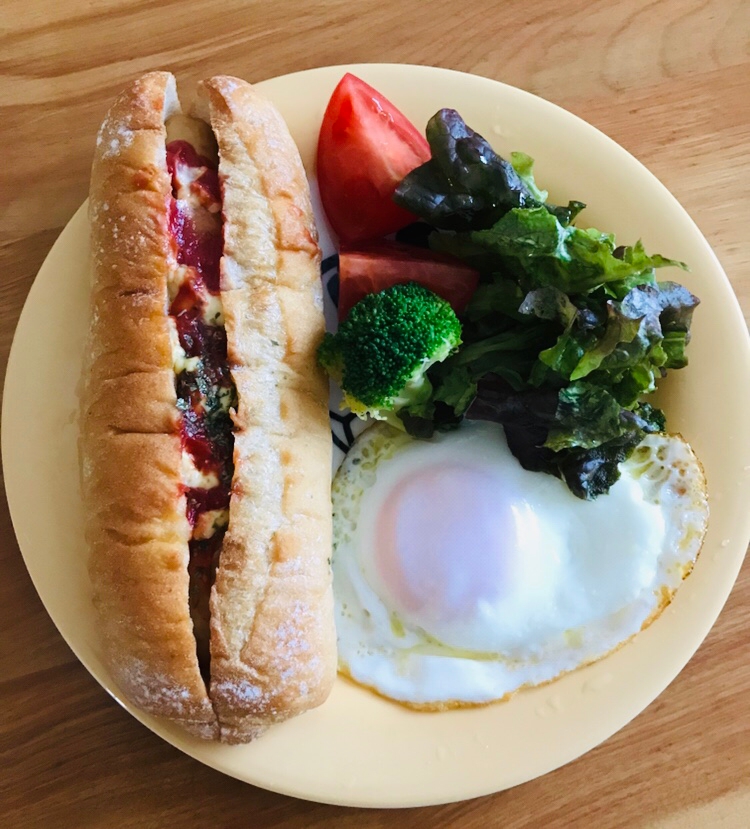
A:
x,y
215,615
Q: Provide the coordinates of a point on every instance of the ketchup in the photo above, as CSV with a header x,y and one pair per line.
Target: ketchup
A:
x,y
196,247
182,153
204,387
197,250
199,500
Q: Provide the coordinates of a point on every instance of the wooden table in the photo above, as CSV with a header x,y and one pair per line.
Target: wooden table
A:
x,y
668,80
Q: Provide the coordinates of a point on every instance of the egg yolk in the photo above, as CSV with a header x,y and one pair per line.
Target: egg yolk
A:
x,y
448,540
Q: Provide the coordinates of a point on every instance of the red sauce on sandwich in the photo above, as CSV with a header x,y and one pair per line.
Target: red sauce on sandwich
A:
x,y
205,390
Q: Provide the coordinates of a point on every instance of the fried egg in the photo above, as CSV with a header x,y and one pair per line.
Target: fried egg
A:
x,y
460,577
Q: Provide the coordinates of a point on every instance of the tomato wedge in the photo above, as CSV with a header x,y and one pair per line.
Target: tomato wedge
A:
x,y
369,267
365,147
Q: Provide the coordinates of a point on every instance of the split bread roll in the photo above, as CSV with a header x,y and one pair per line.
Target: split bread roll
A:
x,y
205,443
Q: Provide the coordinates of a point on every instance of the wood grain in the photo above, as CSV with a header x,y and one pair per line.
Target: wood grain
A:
x,y
668,80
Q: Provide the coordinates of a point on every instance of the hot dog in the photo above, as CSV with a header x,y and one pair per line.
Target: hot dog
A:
x,y
204,441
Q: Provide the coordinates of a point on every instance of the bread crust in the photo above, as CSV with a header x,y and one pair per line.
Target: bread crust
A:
x,y
273,651
272,630
136,525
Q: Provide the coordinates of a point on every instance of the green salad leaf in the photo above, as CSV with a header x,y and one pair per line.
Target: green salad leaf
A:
x,y
466,185
567,330
533,245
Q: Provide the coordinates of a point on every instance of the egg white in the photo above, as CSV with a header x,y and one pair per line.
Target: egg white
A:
x,y
579,579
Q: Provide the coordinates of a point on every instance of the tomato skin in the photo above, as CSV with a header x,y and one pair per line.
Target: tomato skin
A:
x,y
365,147
369,267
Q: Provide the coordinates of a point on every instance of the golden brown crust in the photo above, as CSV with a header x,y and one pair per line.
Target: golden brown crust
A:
x,y
273,638
273,649
130,447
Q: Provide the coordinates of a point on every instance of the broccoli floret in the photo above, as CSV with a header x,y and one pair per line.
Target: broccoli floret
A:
x,y
383,349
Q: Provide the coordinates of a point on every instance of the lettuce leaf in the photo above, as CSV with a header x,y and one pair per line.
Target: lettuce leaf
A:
x,y
524,165
466,184
539,250
567,330
578,433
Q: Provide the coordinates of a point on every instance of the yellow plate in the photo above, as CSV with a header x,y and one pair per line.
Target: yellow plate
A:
x,y
358,749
